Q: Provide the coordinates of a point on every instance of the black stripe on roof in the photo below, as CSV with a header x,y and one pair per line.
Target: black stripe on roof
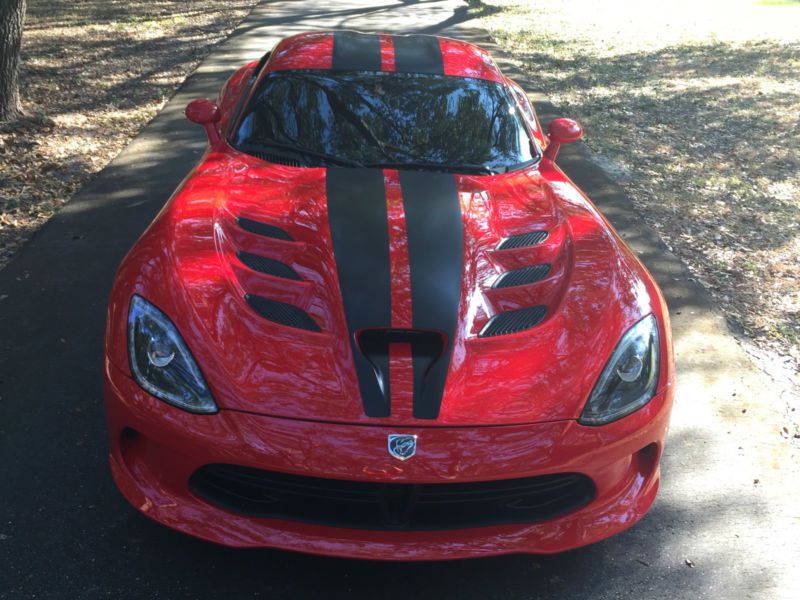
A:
x,y
418,54
354,51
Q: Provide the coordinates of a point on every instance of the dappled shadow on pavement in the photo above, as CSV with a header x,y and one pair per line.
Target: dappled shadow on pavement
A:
x,y
706,136
709,91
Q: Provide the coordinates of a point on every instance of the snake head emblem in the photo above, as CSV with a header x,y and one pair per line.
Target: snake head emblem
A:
x,y
402,446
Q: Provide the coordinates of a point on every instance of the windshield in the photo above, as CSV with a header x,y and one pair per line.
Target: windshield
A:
x,y
383,119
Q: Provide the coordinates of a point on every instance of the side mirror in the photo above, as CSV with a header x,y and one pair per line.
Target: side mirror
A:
x,y
206,113
561,131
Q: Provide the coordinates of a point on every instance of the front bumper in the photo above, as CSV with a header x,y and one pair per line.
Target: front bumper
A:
x,y
155,448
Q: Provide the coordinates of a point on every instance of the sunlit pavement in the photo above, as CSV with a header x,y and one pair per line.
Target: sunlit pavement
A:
x,y
726,524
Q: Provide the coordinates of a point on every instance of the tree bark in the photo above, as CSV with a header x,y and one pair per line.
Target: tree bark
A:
x,y
12,16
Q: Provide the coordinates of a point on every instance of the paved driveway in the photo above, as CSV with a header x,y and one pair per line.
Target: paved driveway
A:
x,y
66,533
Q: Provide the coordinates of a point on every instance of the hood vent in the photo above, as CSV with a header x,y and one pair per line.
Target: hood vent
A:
x,y
277,158
513,321
263,229
282,313
427,347
522,276
524,239
268,266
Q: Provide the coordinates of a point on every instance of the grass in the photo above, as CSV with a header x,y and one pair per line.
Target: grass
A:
x,y
697,104
94,73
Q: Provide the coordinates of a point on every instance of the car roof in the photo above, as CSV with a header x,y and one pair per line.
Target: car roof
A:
x,y
356,51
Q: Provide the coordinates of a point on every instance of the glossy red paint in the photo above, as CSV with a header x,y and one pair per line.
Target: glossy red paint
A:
x,y
232,91
401,373
467,60
561,131
206,113
289,397
152,466
315,51
387,53
596,290
302,51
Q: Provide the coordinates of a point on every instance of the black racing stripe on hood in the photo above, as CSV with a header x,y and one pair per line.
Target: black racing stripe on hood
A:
x,y
436,256
359,228
354,51
418,54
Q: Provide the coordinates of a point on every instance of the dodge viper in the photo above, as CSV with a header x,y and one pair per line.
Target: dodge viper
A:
x,y
378,321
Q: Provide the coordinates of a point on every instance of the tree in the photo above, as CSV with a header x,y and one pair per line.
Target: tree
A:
x,y
12,16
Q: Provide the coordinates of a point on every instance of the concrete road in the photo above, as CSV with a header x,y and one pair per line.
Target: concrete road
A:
x,y
725,524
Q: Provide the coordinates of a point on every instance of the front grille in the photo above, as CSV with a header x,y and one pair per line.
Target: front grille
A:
x,y
391,506
513,321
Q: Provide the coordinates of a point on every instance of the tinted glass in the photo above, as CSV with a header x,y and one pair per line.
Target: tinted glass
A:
x,y
375,118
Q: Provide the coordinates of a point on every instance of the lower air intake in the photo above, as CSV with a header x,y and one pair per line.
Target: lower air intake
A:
x,y
282,313
391,506
513,321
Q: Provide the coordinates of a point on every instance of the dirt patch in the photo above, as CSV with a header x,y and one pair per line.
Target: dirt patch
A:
x,y
94,73
697,105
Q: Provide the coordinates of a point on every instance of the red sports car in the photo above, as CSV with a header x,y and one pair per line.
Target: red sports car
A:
x,y
378,321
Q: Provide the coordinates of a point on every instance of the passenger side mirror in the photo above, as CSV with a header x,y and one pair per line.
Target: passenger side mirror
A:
x,y
206,113
561,131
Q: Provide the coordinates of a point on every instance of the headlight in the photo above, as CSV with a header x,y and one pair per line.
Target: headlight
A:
x,y
160,361
629,380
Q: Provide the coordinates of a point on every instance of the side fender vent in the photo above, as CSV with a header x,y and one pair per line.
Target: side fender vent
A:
x,y
268,266
263,229
513,321
522,240
282,313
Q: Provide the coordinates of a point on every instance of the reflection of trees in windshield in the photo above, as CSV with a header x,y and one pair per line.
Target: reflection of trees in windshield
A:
x,y
387,117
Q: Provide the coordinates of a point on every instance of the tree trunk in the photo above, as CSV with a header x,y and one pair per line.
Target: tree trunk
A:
x,y
12,15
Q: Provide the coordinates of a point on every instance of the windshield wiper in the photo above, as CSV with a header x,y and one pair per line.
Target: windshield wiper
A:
x,y
336,160
462,168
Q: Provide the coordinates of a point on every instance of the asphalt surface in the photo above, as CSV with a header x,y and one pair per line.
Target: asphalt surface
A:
x,y
725,524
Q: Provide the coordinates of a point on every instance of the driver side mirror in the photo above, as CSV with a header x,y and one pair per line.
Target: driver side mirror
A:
x,y
206,113
561,131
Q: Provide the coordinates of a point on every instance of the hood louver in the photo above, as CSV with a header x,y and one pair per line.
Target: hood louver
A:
x,y
268,266
523,240
282,313
522,276
276,311
264,229
514,321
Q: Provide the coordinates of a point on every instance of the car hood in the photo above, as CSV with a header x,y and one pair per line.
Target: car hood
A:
x,y
368,296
